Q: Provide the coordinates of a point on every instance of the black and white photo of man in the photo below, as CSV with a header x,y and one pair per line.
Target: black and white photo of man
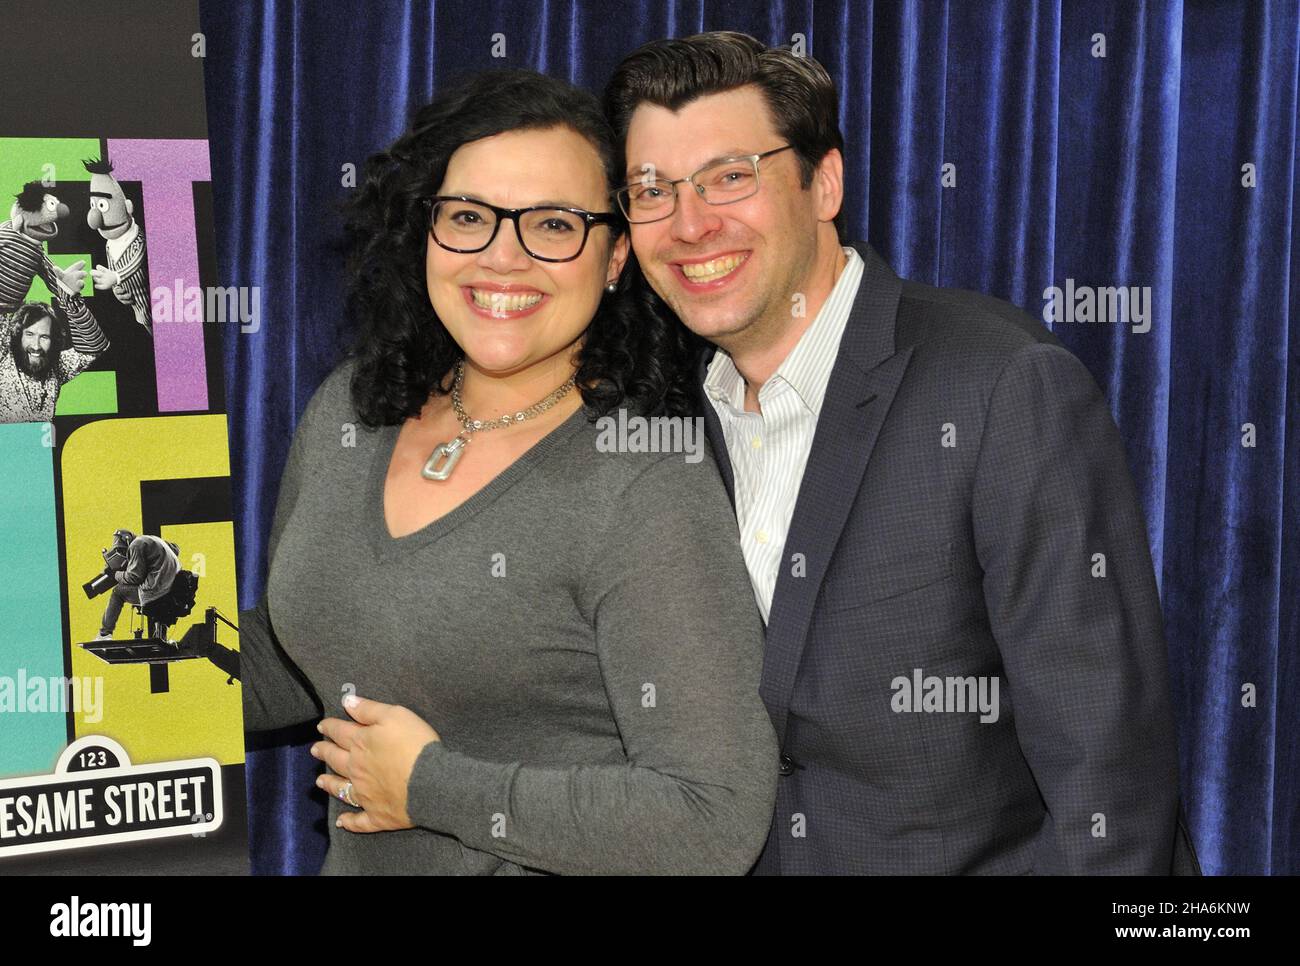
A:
x,y
143,567
38,357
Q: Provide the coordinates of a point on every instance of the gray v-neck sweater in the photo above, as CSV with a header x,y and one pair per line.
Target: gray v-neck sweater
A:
x,y
581,633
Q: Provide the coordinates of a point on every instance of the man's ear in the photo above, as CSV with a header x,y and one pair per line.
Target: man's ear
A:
x,y
130,207
828,185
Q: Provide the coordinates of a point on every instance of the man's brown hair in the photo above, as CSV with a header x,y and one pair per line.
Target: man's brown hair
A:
x,y
671,73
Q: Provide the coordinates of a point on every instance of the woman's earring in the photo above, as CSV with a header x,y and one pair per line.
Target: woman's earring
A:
x,y
612,287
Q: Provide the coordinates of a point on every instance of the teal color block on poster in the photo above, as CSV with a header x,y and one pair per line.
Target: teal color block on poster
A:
x,y
31,623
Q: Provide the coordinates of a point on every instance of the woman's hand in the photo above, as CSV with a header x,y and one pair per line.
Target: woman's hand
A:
x,y
376,754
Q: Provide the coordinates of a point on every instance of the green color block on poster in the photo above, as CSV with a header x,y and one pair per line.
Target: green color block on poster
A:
x,y
40,292
90,392
50,160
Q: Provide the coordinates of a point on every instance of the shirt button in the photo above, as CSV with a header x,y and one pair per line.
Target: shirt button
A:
x,y
756,443
761,536
786,765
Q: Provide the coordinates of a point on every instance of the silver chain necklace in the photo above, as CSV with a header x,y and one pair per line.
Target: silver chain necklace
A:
x,y
450,453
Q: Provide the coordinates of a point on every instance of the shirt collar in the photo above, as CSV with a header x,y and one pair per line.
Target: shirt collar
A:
x,y
723,382
807,369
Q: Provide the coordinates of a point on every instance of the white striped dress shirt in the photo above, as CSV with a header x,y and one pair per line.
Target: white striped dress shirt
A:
x,y
769,450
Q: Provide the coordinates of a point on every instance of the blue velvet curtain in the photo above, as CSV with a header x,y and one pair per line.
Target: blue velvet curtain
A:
x,y
1092,143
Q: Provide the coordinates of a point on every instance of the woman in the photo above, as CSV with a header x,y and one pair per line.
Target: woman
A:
x,y
556,647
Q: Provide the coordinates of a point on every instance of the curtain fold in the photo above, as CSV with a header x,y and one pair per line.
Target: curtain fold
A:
x,y
1002,146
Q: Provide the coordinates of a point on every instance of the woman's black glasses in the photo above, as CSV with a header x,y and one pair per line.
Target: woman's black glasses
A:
x,y
547,233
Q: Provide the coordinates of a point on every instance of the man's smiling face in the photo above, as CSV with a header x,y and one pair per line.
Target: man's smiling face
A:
x,y
728,271
37,343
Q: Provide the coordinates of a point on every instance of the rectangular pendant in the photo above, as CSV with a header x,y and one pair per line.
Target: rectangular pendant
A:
x,y
450,453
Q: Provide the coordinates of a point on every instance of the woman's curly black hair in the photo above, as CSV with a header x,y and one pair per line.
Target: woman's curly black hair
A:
x,y
634,354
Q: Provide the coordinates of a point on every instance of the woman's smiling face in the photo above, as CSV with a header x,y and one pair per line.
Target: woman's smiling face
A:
x,y
507,310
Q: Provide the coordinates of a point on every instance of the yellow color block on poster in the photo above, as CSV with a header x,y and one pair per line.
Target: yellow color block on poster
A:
x,y
104,464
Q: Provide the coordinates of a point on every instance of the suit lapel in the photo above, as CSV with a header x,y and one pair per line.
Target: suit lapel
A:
x,y
863,382
861,389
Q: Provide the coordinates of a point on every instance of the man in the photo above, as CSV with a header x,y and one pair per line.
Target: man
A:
x,y
149,565
965,662
35,362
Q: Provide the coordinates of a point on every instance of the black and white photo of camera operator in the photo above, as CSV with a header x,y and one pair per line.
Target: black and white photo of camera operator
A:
x,y
143,568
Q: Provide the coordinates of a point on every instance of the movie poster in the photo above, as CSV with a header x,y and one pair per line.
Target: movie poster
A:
x,y
121,737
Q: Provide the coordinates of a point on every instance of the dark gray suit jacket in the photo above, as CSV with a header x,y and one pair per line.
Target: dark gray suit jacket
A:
x,y
964,475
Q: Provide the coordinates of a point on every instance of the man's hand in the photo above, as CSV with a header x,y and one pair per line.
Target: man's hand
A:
x,y
376,751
